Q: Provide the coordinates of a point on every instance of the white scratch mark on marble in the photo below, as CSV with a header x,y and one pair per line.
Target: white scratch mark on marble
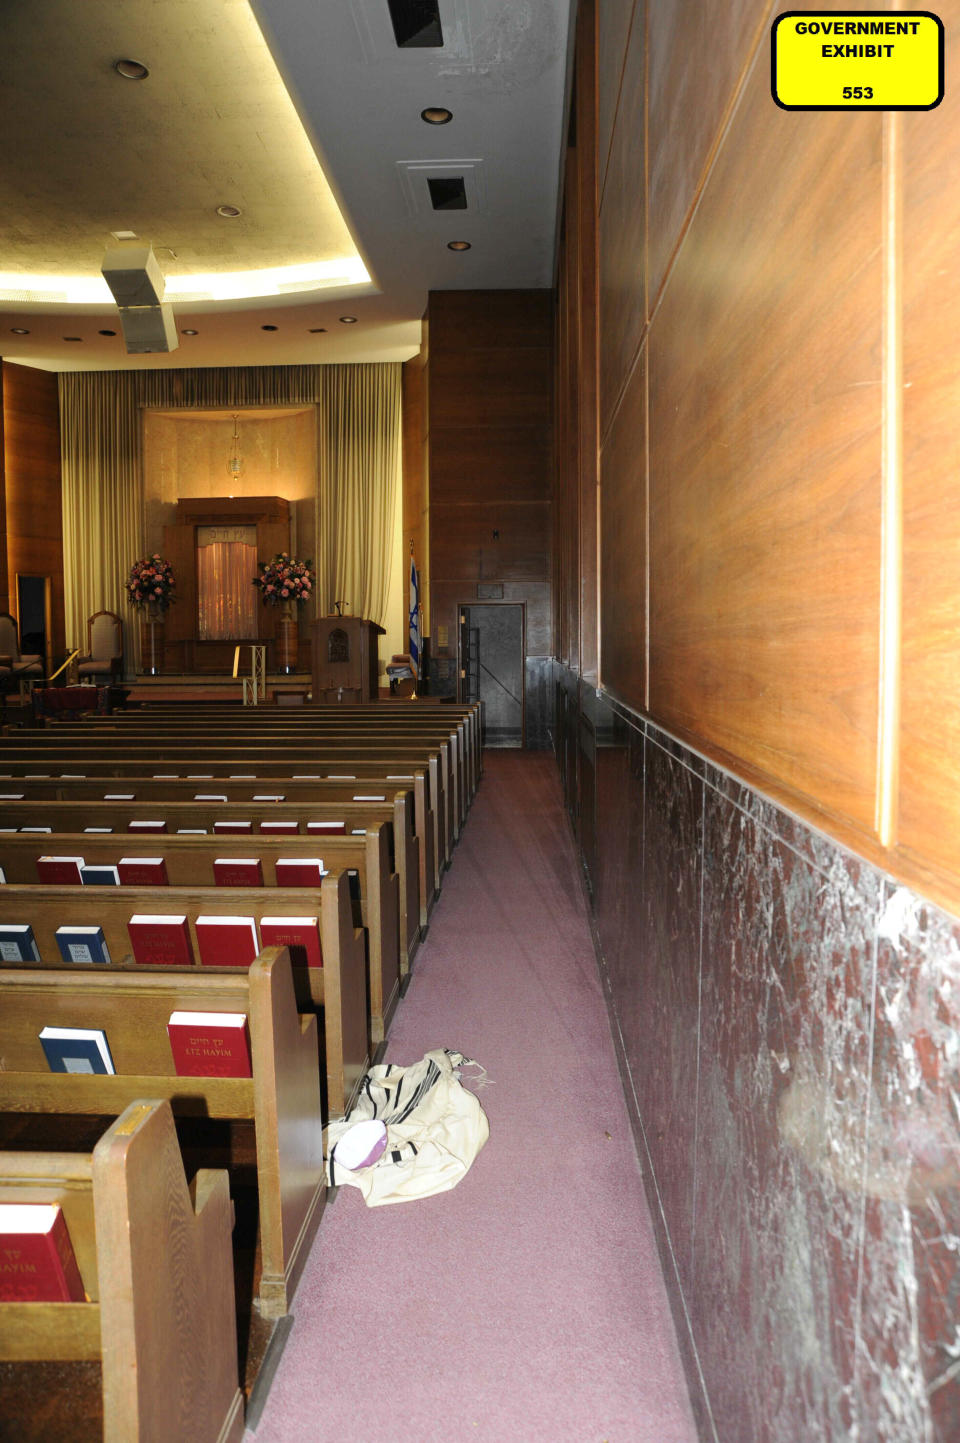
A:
x,y
897,916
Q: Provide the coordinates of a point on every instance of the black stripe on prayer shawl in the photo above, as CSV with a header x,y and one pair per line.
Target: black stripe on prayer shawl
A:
x,y
396,1156
430,1080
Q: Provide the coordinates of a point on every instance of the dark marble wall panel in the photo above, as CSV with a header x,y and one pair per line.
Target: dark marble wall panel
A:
x,y
790,1028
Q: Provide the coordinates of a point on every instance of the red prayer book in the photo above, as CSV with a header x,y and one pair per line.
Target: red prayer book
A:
x,y
143,872
238,872
287,828
60,871
333,828
160,938
210,1044
300,934
37,1262
147,826
233,826
227,941
299,871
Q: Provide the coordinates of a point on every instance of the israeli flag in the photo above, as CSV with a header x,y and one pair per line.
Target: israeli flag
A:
x,y
414,643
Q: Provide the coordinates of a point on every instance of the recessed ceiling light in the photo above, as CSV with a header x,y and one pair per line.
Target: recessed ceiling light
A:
x,y
349,320
318,330
122,235
131,69
19,331
189,331
106,333
229,212
269,328
73,338
436,115
458,245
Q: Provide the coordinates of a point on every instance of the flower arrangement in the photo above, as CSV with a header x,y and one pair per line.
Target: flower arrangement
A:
x,y
285,579
151,583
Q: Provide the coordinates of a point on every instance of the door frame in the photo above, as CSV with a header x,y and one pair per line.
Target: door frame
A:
x,y
470,606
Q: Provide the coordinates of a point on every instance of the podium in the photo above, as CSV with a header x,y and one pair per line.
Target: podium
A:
x,y
344,659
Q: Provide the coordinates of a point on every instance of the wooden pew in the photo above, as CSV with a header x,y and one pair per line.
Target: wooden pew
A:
x,y
189,863
308,799
197,720
155,1260
267,764
116,817
339,986
281,1099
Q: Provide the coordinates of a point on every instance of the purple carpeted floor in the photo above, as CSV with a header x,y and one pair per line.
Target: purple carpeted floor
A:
x,y
527,1305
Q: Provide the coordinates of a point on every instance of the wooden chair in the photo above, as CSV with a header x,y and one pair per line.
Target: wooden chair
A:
x,y
104,656
155,1260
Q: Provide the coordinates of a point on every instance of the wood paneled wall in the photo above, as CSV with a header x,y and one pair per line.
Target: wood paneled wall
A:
x,y
32,487
489,380
778,425
416,529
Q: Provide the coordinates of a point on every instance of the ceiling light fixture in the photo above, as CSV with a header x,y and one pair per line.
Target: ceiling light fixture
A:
x,y
235,462
458,245
106,333
189,331
229,212
436,115
318,330
349,320
19,331
269,328
73,338
131,69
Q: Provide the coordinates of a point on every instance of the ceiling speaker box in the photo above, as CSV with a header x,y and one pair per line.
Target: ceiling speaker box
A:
x,y
133,275
149,328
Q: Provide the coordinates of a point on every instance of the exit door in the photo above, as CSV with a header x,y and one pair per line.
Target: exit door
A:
x,y
491,668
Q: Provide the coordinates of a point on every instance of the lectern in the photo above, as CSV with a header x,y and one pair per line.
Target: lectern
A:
x,y
345,659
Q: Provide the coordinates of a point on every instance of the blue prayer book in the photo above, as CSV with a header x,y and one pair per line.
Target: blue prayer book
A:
x,y
83,944
17,943
76,1049
95,875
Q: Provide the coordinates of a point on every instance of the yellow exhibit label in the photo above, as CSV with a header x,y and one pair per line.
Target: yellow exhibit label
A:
x,y
857,60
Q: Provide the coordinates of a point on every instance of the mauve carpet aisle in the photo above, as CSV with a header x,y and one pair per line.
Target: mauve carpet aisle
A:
x,y
527,1304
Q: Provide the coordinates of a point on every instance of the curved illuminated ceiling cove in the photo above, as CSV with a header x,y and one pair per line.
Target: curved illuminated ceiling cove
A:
x,y
213,65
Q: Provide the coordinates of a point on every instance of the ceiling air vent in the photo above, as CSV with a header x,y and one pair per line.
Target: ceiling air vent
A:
x,y
447,192
416,23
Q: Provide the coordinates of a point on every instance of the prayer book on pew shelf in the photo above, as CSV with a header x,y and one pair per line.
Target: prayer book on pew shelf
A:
x,y
160,939
11,796
270,797
59,871
280,829
98,829
99,876
238,872
119,796
209,797
340,777
227,941
147,826
300,934
210,1044
166,776
37,1261
76,1049
300,871
233,826
17,943
331,828
143,872
83,944
191,831
36,829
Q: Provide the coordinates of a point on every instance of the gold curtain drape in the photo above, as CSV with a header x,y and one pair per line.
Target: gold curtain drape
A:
x,y
359,456
359,472
100,453
226,599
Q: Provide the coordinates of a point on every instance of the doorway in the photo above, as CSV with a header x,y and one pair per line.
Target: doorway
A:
x,y
33,617
492,650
